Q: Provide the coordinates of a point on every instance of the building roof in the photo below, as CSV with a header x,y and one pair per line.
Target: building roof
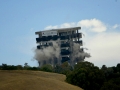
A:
x,y
59,29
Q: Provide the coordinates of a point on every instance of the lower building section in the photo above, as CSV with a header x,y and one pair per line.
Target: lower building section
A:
x,y
59,52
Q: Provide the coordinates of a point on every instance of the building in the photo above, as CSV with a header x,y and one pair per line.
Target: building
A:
x,y
68,40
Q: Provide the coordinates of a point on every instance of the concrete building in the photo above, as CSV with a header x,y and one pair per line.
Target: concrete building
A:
x,y
68,40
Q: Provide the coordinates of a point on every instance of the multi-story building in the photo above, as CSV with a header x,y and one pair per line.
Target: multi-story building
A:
x,y
67,39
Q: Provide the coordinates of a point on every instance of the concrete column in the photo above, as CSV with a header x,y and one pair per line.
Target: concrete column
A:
x,y
77,34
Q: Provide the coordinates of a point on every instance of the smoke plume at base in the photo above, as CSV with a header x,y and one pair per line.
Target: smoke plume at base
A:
x,y
51,54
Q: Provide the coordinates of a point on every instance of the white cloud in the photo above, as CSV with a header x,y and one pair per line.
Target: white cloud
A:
x,y
51,27
116,26
104,49
67,25
93,25
64,25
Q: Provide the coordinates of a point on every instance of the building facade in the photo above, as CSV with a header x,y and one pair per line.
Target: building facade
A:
x,y
69,42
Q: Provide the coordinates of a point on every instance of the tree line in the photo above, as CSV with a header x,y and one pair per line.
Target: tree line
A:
x,y
90,77
84,74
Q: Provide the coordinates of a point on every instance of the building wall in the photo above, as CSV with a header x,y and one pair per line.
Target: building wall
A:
x,y
69,41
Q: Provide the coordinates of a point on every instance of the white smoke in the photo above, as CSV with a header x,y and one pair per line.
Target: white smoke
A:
x,y
48,54
77,51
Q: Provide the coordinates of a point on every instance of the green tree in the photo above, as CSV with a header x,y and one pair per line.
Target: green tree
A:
x,y
86,76
113,84
19,67
47,68
64,68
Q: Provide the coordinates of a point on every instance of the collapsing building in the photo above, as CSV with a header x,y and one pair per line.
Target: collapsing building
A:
x,y
59,45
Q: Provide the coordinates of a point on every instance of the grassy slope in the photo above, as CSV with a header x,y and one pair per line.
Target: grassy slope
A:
x,y
33,80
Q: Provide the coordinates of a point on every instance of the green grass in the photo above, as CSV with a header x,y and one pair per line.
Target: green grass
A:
x,y
33,80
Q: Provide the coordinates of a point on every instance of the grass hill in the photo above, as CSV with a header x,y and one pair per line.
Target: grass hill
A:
x,y
33,80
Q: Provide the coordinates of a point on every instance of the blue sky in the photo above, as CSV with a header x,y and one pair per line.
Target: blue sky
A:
x,y
20,19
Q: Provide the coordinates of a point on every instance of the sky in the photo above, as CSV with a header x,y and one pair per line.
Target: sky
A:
x,y
99,21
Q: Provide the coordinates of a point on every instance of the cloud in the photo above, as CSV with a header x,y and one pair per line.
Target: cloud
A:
x,y
93,25
64,25
116,26
51,27
104,49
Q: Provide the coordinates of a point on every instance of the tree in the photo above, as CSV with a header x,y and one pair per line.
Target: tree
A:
x,y
64,68
118,67
47,68
113,84
26,66
86,76
19,67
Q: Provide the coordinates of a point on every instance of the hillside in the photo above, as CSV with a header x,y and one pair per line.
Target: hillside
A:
x,y
33,80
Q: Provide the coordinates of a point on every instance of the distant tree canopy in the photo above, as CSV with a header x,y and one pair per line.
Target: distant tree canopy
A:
x,y
47,68
17,67
90,77
83,74
64,68
87,76
10,67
